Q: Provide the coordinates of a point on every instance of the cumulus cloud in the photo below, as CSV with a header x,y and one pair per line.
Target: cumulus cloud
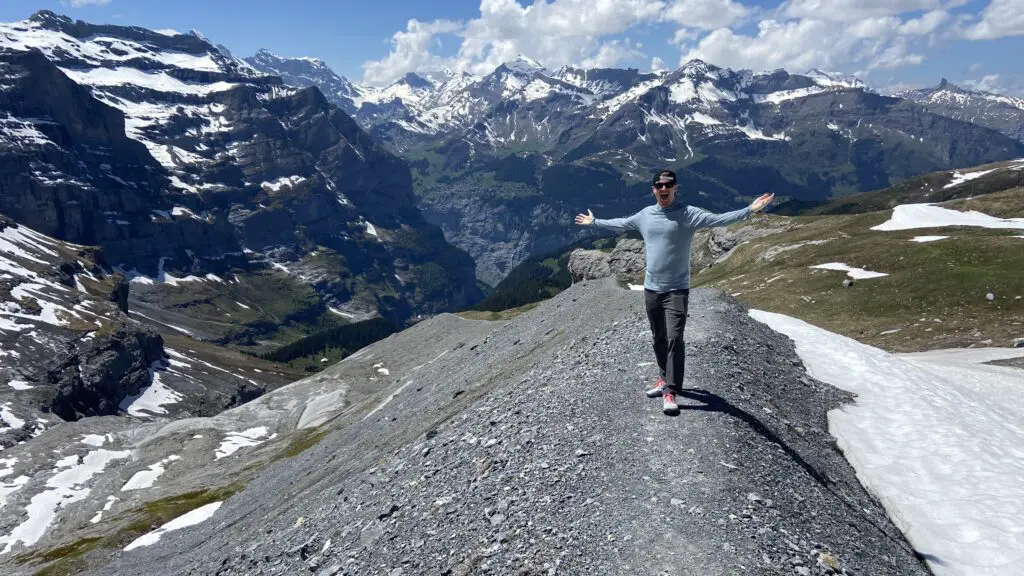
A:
x,y
864,35
1012,85
706,14
856,36
410,51
614,54
1000,18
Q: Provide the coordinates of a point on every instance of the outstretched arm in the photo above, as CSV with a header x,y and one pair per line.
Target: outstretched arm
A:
x,y
703,219
614,224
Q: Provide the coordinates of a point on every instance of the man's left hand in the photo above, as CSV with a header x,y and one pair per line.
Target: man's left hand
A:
x,y
762,201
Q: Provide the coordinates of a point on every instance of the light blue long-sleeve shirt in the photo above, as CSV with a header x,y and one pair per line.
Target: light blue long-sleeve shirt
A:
x,y
668,233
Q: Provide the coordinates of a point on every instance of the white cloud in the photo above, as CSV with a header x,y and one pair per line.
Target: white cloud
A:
x,y
1000,18
657,64
410,51
1012,85
554,33
613,54
852,10
926,24
796,44
706,14
83,3
847,35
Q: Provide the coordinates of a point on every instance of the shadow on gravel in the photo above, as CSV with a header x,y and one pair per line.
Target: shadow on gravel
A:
x,y
715,403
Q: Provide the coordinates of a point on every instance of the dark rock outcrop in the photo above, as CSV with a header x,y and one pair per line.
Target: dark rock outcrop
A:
x,y
119,293
95,379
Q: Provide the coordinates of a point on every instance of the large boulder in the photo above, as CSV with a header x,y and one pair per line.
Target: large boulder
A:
x,y
626,262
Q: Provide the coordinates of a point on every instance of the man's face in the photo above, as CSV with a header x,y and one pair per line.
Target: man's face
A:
x,y
664,191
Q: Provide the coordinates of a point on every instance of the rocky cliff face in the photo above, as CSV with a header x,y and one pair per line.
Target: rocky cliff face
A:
x,y
188,163
68,350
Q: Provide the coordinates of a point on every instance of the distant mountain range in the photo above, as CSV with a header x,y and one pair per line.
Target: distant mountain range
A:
x,y
503,161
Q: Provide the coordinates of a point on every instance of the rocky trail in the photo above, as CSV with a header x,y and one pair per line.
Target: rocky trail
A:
x,y
528,447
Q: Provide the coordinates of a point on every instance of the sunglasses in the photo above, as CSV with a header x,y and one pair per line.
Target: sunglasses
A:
x,y
663,185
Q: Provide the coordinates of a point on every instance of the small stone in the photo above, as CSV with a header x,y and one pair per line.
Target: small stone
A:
x,y
426,451
677,502
581,452
497,519
803,571
753,497
396,572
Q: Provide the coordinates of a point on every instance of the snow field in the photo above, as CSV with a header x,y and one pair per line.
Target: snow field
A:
x,y
937,437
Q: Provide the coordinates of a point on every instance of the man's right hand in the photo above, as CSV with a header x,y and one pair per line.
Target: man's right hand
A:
x,y
585,219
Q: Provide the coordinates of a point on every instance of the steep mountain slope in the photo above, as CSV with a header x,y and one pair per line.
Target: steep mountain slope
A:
x,y
309,72
1002,113
243,177
493,473
932,187
71,348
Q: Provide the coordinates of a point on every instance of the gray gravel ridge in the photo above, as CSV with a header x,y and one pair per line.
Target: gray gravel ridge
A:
x,y
527,447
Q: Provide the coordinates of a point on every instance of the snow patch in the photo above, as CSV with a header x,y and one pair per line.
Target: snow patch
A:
x,y
959,178
66,487
8,417
909,216
197,516
146,478
936,436
96,440
237,440
855,273
927,238
153,397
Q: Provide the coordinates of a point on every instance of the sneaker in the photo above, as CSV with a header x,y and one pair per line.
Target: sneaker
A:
x,y
668,405
655,391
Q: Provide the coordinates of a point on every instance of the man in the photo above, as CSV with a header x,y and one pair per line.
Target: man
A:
x,y
667,228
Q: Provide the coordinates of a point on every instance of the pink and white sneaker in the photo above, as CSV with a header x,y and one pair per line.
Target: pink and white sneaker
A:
x,y
656,390
668,405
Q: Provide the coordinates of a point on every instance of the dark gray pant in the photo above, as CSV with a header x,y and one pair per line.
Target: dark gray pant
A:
x,y
667,313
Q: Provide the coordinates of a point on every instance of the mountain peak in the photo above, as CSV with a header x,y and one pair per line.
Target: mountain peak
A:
x,y
50,17
414,80
523,65
698,66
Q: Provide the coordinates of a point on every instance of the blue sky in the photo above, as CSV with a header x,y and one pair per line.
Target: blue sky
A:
x,y
888,43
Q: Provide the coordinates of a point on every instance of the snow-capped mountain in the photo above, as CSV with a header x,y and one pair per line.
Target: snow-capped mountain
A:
x,y
732,132
306,71
179,159
996,111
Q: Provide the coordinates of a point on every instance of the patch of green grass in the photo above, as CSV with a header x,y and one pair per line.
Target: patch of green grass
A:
x,y
495,316
302,441
945,280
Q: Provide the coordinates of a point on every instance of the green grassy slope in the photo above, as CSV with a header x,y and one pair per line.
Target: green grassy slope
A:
x,y
933,297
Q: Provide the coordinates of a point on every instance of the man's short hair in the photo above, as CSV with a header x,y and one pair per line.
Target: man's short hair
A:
x,y
666,175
